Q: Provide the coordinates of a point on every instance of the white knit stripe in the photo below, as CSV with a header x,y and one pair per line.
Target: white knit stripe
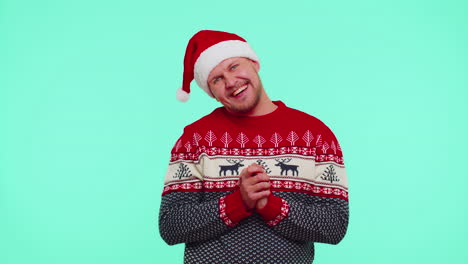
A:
x,y
277,183
330,173
215,54
287,167
182,171
225,167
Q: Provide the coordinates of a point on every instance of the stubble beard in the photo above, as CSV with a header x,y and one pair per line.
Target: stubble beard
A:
x,y
247,107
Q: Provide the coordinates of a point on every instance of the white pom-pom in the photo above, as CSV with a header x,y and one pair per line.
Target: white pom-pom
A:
x,y
182,95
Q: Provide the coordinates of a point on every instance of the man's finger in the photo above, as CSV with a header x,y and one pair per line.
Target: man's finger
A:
x,y
261,186
258,187
254,168
256,179
260,195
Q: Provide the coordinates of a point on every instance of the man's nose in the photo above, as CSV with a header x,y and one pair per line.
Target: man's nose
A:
x,y
230,81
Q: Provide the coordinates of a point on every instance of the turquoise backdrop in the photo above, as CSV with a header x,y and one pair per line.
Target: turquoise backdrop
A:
x,y
88,116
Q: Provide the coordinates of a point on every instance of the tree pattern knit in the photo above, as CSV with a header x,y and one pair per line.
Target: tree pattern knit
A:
x,y
202,206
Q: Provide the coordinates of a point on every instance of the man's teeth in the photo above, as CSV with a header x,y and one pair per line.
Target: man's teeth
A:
x,y
238,91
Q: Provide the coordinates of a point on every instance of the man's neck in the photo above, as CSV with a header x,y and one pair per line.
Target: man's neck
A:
x,y
264,106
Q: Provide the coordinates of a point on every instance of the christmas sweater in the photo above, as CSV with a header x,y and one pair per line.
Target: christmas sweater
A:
x,y
201,203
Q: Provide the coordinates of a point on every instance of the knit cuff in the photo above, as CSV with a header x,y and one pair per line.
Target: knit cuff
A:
x,y
232,209
274,211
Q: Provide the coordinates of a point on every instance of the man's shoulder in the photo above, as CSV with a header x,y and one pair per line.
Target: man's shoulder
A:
x,y
306,121
207,120
302,116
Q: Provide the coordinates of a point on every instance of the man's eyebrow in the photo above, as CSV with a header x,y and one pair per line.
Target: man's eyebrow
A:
x,y
216,77
233,62
227,68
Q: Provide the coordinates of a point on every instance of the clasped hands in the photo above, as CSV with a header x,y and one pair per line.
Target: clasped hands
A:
x,y
254,186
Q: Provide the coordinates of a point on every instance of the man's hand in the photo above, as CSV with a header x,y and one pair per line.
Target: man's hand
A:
x,y
254,186
261,203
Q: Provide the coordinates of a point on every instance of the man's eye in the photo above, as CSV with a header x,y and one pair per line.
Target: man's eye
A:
x,y
234,66
215,80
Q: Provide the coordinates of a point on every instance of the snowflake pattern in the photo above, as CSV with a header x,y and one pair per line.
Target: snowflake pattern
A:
x,y
221,246
194,212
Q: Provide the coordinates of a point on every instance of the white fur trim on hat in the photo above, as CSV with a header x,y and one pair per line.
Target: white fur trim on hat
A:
x,y
215,54
182,95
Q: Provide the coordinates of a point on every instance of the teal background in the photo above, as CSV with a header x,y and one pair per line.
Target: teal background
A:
x,y
88,117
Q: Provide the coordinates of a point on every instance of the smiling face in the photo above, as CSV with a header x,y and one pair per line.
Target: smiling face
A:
x,y
235,83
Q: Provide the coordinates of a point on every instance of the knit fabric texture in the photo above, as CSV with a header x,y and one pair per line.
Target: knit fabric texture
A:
x,y
202,206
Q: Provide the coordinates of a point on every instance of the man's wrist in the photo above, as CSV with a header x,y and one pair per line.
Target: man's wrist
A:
x,y
232,209
272,208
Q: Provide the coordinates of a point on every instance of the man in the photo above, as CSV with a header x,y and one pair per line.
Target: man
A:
x,y
254,181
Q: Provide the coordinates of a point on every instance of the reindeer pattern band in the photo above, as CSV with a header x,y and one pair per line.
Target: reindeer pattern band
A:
x,y
234,167
282,163
291,167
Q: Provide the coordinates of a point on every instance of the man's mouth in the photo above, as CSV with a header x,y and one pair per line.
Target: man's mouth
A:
x,y
239,90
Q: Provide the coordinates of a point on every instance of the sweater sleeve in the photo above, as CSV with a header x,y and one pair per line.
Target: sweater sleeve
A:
x,y
312,218
318,210
305,217
186,214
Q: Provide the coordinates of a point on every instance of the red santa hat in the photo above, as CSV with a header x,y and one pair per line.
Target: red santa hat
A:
x,y
205,50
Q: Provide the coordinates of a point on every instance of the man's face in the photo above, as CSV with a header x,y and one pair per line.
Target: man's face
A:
x,y
235,83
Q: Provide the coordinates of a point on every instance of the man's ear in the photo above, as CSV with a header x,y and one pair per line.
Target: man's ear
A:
x,y
213,96
256,65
